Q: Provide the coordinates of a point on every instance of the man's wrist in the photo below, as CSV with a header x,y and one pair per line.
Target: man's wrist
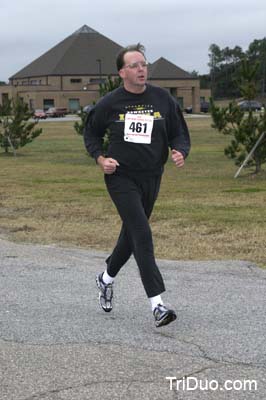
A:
x,y
100,160
180,151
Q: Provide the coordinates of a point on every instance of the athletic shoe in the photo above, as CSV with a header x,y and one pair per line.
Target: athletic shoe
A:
x,y
163,315
105,294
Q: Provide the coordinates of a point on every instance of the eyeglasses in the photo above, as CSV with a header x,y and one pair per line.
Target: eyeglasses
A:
x,y
135,65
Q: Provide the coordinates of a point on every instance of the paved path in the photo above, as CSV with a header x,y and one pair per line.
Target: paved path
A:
x,y
56,344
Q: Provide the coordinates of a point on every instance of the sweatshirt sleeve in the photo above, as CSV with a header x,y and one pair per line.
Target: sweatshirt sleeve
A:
x,y
178,134
94,131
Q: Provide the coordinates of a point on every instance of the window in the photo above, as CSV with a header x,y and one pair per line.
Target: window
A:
x,y
97,80
75,80
202,99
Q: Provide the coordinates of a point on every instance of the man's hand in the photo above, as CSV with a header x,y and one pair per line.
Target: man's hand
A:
x,y
108,165
178,158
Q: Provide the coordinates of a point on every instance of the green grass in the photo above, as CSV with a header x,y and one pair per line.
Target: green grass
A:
x,y
52,192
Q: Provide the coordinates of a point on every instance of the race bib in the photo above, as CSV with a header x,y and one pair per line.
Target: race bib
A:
x,y
138,128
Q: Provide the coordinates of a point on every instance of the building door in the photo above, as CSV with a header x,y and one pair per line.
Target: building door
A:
x,y
73,105
4,98
180,101
173,92
31,102
47,103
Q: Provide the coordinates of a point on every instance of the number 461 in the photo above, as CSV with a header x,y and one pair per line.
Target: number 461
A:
x,y
138,127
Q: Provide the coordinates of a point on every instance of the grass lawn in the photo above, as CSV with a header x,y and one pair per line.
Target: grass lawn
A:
x,y
52,192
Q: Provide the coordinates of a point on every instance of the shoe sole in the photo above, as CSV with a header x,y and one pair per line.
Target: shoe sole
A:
x,y
100,295
170,317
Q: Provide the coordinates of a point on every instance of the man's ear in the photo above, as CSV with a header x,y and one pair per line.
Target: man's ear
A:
x,y
121,73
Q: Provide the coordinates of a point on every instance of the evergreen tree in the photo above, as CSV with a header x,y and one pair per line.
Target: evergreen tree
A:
x,y
108,86
16,129
257,53
245,128
79,125
225,65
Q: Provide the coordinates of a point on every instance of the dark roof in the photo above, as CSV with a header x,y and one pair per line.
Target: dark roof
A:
x,y
164,69
87,52
76,55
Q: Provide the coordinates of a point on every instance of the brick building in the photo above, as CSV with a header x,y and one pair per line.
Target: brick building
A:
x,y
68,75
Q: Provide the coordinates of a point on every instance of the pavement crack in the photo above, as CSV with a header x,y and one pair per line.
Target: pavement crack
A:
x,y
222,361
42,395
202,353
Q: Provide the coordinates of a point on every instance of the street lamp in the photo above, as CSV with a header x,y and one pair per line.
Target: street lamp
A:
x,y
99,61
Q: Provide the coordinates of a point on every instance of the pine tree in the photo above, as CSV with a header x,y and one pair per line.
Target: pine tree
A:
x,y
245,128
79,125
16,129
108,86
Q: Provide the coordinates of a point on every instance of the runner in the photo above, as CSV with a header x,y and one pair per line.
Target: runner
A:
x,y
142,121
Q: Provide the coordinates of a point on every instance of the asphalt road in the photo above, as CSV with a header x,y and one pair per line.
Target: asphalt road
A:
x,y
56,343
70,117
73,117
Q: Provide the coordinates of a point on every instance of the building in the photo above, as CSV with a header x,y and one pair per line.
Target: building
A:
x,y
68,75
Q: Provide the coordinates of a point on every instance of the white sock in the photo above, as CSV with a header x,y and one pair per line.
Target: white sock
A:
x,y
155,301
107,278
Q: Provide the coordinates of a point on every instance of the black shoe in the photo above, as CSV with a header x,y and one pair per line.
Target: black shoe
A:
x,y
105,294
163,315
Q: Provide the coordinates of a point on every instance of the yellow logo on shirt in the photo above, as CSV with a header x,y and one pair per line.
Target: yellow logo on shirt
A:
x,y
155,114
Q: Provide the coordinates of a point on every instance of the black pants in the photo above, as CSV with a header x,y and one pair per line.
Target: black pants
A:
x,y
134,200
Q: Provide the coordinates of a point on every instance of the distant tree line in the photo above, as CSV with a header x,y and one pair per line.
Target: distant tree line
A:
x,y
225,69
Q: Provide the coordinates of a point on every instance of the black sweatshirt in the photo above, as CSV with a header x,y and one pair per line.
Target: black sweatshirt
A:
x,y
168,129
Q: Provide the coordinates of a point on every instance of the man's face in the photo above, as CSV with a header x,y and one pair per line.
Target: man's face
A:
x,y
134,71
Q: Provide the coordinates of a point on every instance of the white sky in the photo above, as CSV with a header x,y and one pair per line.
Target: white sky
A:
x,y
179,30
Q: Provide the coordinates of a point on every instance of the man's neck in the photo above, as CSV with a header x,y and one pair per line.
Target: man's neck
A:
x,y
135,89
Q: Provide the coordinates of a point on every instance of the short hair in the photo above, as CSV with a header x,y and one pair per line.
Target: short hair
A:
x,y
133,47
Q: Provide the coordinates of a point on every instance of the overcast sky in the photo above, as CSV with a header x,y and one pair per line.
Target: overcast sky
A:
x,y
179,30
